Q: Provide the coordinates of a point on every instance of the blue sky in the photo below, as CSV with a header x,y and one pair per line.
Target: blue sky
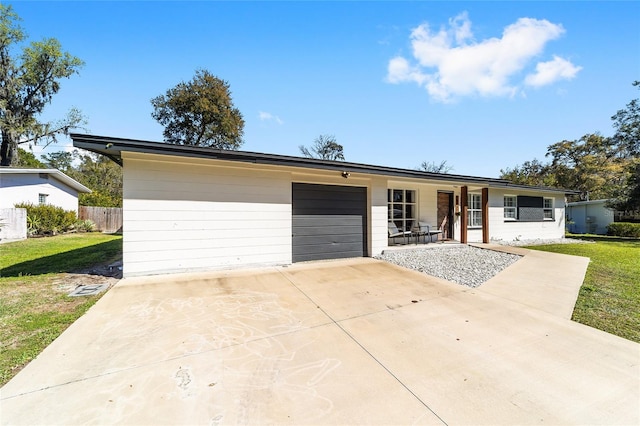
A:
x,y
482,85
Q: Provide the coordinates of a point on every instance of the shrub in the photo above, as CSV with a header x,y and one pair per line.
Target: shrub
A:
x,y
624,229
33,225
85,226
45,219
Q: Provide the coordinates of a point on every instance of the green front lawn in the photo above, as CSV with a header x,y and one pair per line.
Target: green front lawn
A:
x,y
34,308
609,298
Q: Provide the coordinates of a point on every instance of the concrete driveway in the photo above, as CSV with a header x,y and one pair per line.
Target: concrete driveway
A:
x,y
342,342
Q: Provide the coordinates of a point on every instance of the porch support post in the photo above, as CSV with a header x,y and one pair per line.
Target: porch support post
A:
x,y
463,214
485,215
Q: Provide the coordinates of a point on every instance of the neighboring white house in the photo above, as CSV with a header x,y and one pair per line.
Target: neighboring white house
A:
x,y
190,208
39,186
589,217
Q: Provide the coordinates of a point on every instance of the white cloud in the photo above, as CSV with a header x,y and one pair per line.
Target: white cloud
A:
x,y
450,63
266,116
552,71
400,71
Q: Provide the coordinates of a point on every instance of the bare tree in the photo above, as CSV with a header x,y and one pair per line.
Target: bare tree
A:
x,y
433,167
324,147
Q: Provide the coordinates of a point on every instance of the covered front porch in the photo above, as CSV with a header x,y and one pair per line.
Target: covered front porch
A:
x,y
421,214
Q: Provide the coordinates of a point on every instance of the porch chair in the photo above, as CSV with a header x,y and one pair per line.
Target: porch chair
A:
x,y
394,232
423,229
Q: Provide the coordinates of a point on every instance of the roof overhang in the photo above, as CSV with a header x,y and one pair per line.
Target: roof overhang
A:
x,y
114,147
587,203
54,173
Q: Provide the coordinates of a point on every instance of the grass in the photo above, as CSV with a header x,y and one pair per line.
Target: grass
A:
x,y
609,298
34,307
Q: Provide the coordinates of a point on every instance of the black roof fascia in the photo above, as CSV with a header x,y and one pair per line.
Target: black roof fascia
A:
x,y
113,147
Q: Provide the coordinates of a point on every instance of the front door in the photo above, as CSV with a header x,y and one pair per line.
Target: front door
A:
x,y
445,214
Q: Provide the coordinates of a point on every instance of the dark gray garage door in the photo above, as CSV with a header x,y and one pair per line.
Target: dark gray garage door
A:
x,y
329,222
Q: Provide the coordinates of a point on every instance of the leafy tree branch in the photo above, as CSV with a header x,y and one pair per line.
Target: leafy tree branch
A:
x,y
599,167
28,83
200,112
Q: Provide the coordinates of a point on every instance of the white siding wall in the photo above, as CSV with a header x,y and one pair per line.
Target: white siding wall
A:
x,y
601,218
578,216
181,217
474,235
428,205
590,217
379,216
25,188
194,214
457,221
501,229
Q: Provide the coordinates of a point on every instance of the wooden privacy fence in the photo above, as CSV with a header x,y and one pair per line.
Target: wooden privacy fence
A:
x,y
107,219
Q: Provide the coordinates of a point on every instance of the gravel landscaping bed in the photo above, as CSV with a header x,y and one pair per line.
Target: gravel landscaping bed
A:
x,y
466,265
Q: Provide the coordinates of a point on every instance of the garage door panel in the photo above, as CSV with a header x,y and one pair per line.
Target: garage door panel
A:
x,y
352,248
301,240
327,255
349,231
328,222
315,206
323,223
313,219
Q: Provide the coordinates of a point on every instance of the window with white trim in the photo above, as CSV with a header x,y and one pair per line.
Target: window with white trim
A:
x,y
402,208
474,211
42,198
510,207
547,208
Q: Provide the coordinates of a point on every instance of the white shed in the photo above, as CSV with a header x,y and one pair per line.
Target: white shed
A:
x,y
589,217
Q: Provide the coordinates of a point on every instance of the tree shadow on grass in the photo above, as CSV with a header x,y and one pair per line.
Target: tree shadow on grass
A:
x,y
69,261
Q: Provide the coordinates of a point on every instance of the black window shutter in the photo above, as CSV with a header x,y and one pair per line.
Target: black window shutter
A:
x,y
530,209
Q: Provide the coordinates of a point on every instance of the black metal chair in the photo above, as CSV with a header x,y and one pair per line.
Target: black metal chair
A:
x,y
394,232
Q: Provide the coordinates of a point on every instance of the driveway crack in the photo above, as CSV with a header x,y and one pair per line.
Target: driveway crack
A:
x,y
373,357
